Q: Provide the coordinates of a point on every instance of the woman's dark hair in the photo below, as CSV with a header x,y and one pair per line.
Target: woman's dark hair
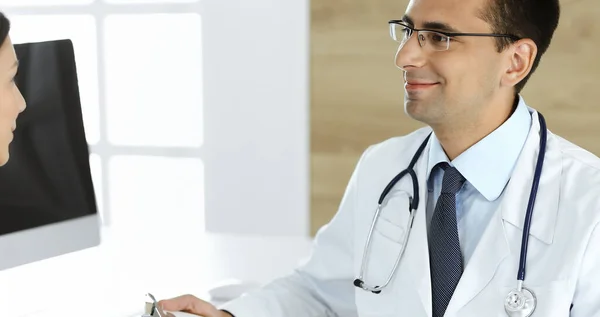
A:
x,y
4,28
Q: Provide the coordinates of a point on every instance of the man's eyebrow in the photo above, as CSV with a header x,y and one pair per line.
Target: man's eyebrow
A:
x,y
408,20
432,25
440,26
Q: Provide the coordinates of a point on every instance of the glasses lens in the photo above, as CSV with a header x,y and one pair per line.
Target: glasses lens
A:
x,y
437,41
399,32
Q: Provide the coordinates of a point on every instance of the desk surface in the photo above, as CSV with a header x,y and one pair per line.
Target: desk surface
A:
x,y
112,279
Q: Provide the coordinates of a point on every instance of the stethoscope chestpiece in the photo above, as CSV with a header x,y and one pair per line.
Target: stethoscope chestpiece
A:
x,y
520,303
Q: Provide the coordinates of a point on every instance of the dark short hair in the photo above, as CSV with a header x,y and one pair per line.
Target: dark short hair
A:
x,y
4,28
533,19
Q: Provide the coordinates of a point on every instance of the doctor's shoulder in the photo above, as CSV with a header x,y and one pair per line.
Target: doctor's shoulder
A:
x,y
395,150
580,165
580,180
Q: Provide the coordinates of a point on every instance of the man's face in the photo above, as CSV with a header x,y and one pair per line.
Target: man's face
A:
x,y
456,84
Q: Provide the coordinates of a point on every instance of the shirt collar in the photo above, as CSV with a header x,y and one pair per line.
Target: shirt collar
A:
x,y
488,164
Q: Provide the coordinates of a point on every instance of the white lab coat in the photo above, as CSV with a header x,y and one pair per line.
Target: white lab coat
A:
x,y
563,263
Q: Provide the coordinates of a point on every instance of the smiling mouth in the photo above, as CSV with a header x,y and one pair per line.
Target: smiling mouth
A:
x,y
419,86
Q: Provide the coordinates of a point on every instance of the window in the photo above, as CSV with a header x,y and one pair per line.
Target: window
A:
x,y
140,74
153,80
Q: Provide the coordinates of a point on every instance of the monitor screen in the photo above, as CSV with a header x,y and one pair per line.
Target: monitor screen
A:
x,y
47,201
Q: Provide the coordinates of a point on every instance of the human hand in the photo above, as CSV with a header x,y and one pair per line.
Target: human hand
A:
x,y
193,305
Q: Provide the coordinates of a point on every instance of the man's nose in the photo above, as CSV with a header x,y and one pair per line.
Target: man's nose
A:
x,y
410,54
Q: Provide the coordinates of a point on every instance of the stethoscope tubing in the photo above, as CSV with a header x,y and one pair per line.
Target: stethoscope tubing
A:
x,y
532,196
410,170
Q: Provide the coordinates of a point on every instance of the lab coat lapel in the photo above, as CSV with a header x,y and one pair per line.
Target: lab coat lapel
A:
x,y
494,245
490,251
417,255
545,210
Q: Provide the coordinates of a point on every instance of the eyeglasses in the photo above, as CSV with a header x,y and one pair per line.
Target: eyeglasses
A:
x,y
401,32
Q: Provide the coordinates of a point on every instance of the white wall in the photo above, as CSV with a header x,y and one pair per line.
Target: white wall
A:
x,y
256,116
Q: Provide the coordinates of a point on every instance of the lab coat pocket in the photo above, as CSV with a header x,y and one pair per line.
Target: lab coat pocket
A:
x,y
394,216
382,257
390,230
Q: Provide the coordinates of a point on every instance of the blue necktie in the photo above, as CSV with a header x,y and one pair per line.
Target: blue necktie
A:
x,y
445,257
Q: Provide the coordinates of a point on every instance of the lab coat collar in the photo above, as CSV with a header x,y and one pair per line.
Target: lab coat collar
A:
x,y
545,211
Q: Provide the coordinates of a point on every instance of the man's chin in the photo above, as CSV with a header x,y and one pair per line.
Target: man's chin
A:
x,y
416,109
412,105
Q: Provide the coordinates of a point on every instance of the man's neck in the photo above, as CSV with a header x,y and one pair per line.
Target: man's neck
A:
x,y
458,136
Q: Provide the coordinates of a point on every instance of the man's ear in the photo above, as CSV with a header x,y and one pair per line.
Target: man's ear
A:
x,y
521,56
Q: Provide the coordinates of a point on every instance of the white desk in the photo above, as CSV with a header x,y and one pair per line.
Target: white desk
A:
x,y
111,280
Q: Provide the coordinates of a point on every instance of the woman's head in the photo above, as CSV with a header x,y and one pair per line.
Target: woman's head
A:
x,y
11,100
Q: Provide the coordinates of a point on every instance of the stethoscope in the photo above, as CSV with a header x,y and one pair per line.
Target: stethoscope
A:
x,y
520,302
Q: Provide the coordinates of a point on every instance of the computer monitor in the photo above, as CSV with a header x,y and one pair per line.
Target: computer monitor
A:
x,y
47,201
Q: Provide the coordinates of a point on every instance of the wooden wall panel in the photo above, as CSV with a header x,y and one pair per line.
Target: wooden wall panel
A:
x,y
356,91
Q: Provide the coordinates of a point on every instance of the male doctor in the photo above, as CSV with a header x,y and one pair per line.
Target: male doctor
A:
x,y
464,64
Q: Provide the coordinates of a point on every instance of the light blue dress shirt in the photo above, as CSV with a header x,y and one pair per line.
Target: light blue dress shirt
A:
x,y
487,167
